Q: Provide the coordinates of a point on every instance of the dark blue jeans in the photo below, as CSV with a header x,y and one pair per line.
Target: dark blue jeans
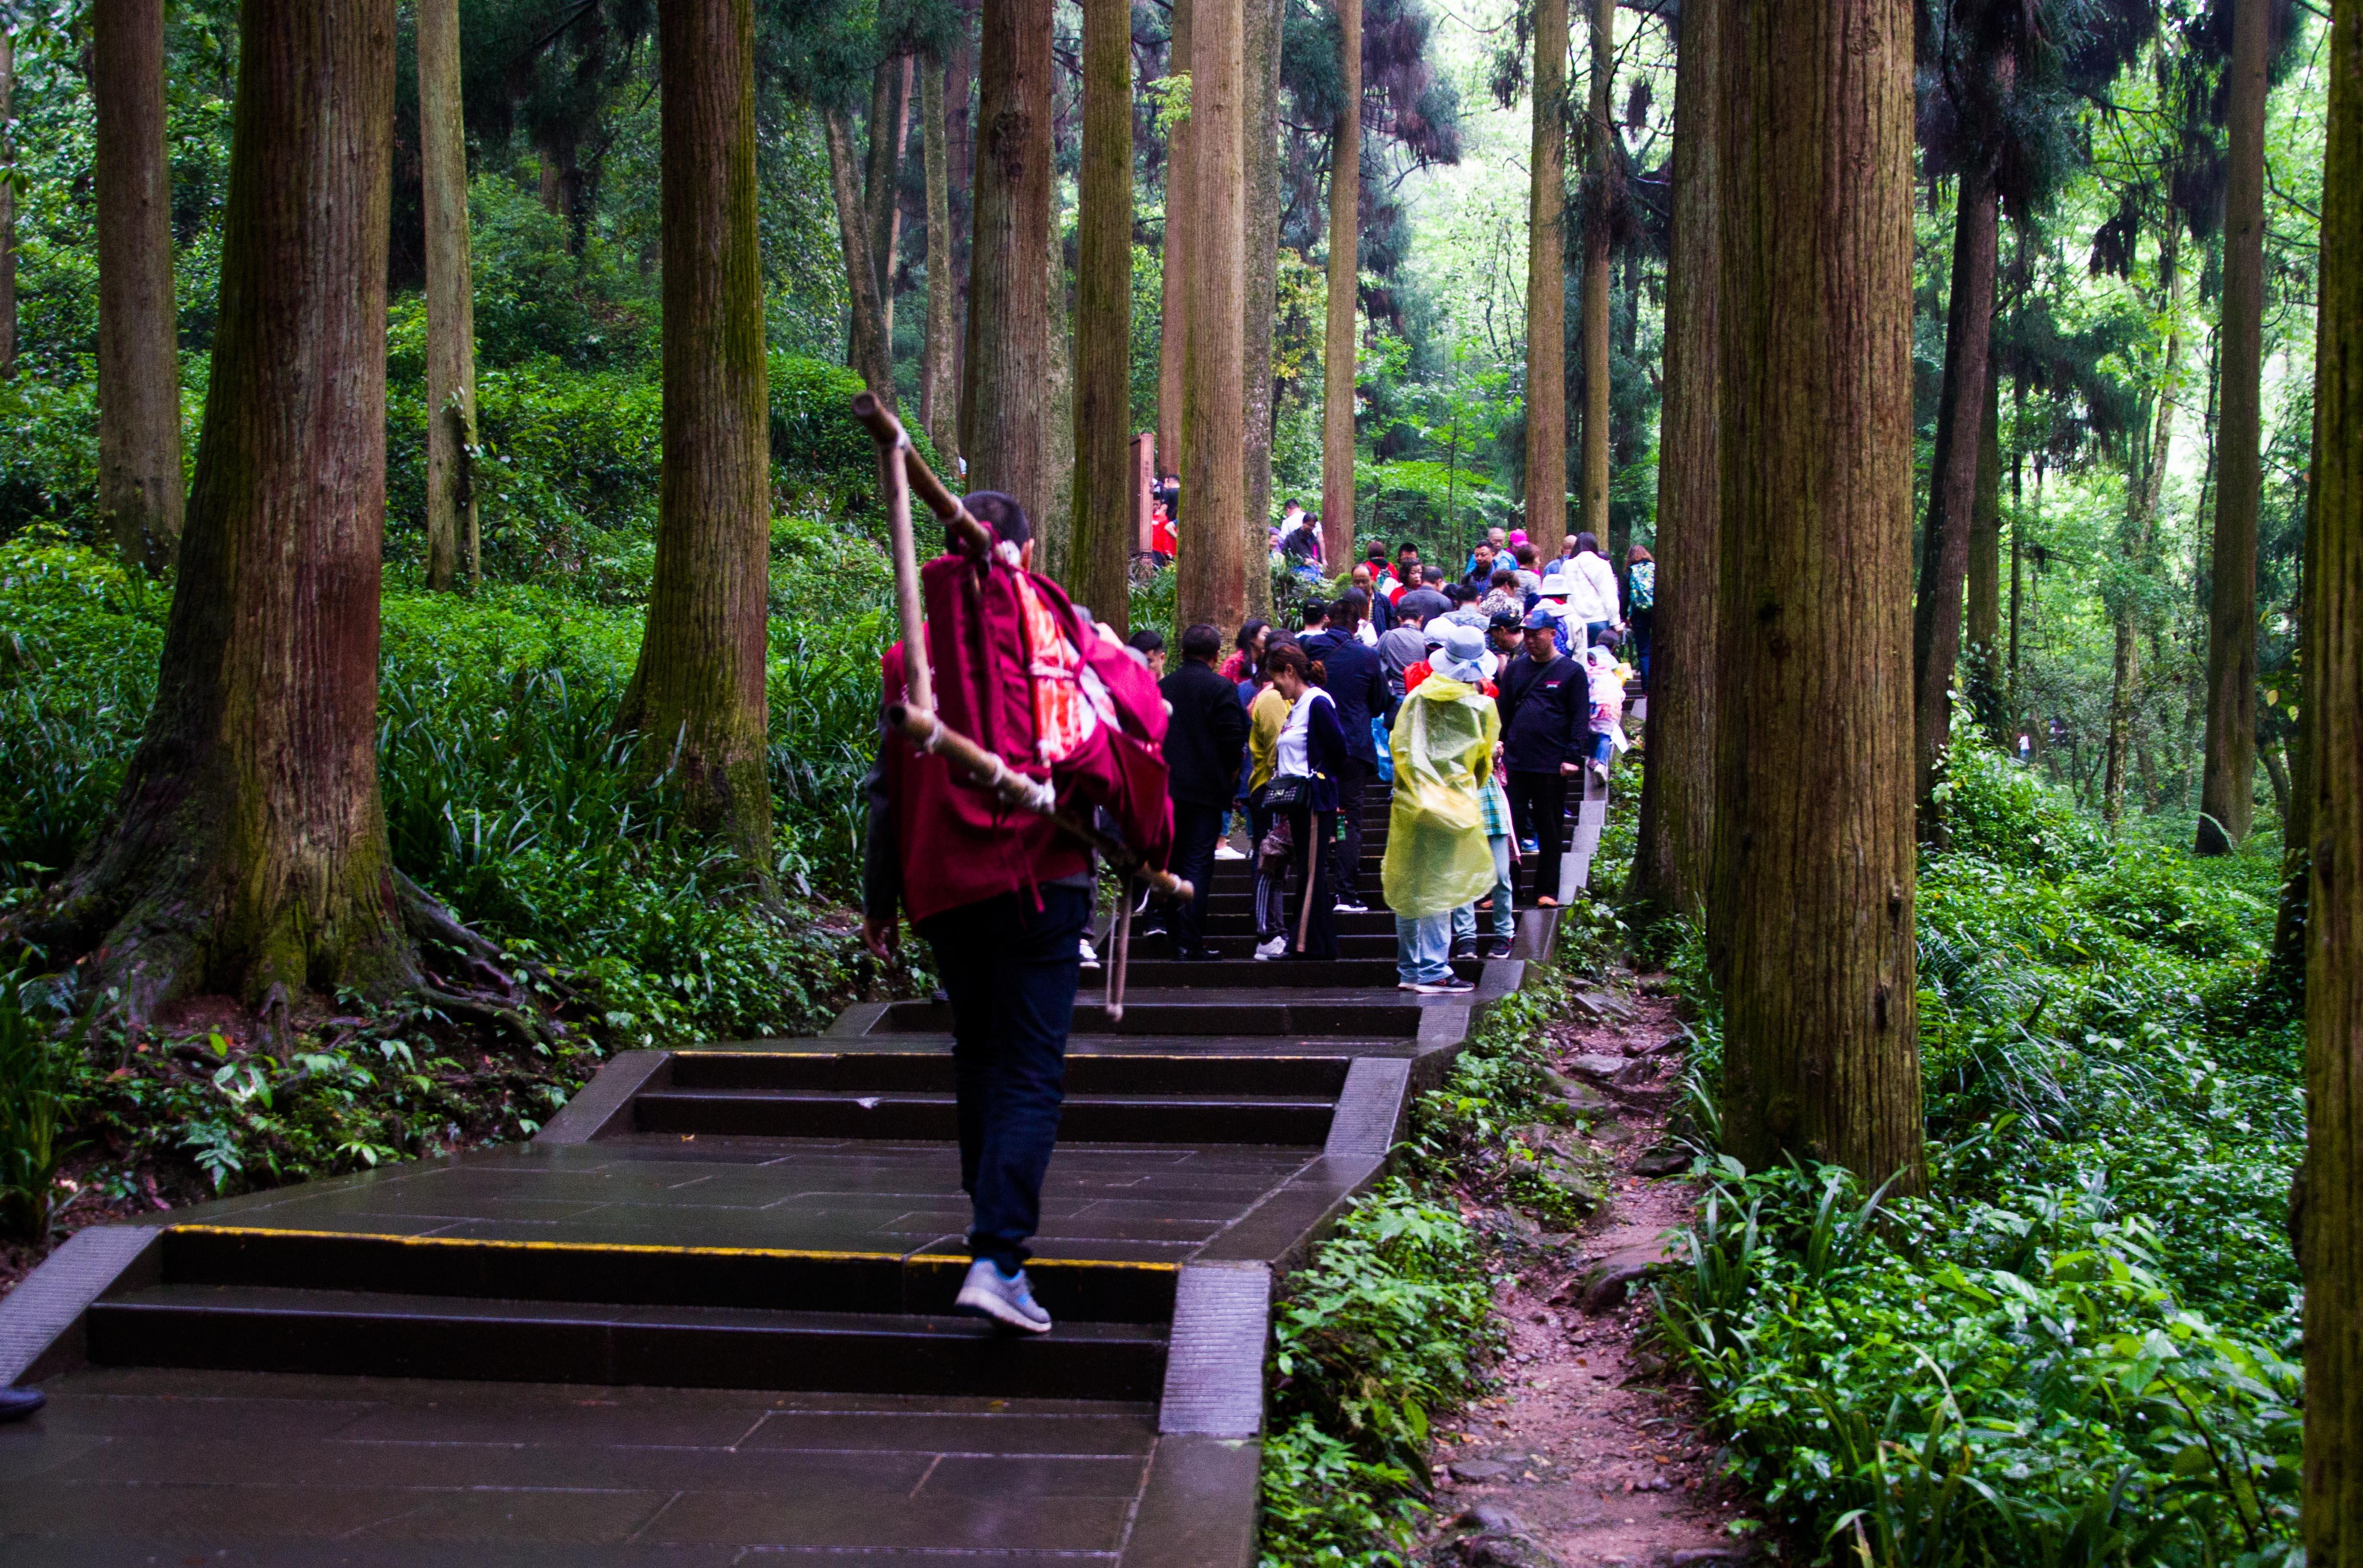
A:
x,y
1195,830
1010,970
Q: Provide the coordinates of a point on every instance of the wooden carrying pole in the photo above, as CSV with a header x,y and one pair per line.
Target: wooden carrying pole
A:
x,y
916,717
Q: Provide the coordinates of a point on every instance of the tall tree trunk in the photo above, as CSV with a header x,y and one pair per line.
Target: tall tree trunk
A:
x,y
698,697
2287,963
1054,525
2125,672
2227,790
1984,629
889,124
1260,131
8,210
247,855
1212,586
1944,548
1546,282
938,392
1173,292
2330,1239
1103,524
1597,262
960,153
1821,1053
1340,343
866,337
2143,496
1004,435
1677,831
453,542
140,488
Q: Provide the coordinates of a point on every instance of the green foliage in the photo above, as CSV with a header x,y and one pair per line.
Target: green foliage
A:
x,y
34,1077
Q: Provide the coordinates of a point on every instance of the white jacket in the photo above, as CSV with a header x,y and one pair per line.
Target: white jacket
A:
x,y
1594,598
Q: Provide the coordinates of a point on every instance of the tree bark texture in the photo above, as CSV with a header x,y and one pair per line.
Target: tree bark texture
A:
x,y
247,853
1598,262
1102,521
1212,585
890,122
1340,342
1945,545
1546,282
697,698
2228,785
453,541
2330,1247
1820,1056
939,391
1173,302
140,487
1983,636
1677,828
1260,133
8,210
866,348
1005,433
1054,526
960,153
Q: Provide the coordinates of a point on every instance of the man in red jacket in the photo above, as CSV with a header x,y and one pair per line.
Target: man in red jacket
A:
x,y
1002,899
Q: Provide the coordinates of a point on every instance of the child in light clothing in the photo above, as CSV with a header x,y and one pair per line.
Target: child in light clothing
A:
x,y
1607,678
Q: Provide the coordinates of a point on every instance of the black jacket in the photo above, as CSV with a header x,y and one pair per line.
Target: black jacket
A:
x,y
1546,713
1357,683
1206,735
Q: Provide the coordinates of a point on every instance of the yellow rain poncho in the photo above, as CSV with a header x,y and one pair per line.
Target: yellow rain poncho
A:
x,y
1437,857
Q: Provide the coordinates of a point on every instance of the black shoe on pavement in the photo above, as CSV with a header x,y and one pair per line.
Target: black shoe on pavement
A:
x,y
1464,947
15,1403
1201,957
1494,947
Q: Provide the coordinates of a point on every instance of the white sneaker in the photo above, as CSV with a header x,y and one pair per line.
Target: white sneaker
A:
x,y
1351,906
1005,1298
1454,987
1223,851
1090,959
1272,949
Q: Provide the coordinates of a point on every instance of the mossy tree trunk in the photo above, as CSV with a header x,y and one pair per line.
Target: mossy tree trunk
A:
x,y
2228,783
697,698
866,348
1952,487
1821,1053
453,541
1103,514
1339,340
938,390
2331,1238
1004,432
1597,266
890,130
1212,585
1677,830
1259,134
1173,303
1546,476
247,853
140,487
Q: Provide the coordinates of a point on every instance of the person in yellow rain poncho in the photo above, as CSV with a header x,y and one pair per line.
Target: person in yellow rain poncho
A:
x,y
1437,857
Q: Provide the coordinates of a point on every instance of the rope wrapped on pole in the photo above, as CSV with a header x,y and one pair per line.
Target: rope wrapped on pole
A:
x,y
914,718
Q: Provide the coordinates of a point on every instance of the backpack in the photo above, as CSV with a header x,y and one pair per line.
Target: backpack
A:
x,y
1641,586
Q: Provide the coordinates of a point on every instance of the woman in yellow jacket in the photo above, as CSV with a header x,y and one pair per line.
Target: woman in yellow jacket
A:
x,y
1437,857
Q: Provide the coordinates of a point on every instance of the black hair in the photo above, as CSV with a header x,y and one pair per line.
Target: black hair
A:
x,y
1201,642
1288,655
1377,552
1458,592
1002,515
1607,639
1248,630
1148,639
1503,577
1433,574
1315,615
1587,540
1353,607
1410,545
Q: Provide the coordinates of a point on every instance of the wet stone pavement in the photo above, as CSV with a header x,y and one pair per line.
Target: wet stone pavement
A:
x,y
705,1316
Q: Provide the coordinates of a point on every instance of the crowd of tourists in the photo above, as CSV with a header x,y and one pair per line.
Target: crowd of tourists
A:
x,y
1474,700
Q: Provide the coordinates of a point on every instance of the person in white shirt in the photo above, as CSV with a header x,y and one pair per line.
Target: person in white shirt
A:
x,y
1592,603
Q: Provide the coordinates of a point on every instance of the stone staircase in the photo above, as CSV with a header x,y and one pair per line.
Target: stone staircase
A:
x,y
707,1311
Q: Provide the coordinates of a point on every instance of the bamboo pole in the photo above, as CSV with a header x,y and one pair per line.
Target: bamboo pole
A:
x,y
914,718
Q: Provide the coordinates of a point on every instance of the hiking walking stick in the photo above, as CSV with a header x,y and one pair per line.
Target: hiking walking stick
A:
x,y
1314,850
915,717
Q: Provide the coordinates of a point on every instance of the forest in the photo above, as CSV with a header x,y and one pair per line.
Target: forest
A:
x,y
442,594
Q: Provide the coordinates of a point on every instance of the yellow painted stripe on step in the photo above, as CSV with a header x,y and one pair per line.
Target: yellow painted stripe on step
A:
x,y
489,1243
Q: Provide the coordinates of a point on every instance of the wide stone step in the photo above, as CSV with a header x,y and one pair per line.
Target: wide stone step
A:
x,y
904,1115
1088,1074
385,1335
1279,974
1184,1010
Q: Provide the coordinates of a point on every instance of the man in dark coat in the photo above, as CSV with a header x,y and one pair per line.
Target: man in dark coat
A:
x,y
1356,682
1546,724
1204,739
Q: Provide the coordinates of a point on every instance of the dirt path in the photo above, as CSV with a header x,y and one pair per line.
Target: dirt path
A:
x,y
1592,1455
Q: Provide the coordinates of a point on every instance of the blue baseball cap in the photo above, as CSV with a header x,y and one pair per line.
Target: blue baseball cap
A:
x,y
1541,619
